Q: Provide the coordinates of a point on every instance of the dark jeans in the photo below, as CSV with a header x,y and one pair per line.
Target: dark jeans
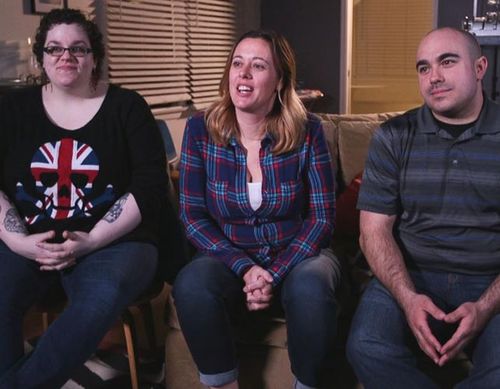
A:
x,y
380,343
98,287
207,293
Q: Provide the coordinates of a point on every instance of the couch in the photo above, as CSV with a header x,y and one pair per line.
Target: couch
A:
x,y
261,340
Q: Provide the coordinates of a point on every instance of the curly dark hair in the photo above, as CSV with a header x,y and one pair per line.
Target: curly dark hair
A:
x,y
70,16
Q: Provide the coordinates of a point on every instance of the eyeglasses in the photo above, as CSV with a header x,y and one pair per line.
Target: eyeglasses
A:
x,y
75,51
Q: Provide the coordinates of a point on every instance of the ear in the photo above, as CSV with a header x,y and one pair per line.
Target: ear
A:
x,y
279,87
480,66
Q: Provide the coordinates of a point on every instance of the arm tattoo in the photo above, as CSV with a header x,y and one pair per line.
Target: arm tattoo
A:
x,y
13,223
116,209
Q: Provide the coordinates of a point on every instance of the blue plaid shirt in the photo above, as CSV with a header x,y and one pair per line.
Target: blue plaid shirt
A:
x,y
295,219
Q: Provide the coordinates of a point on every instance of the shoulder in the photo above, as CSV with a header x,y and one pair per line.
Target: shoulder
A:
x,y
401,126
313,128
196,125
405,121
120,95
22,95
313,122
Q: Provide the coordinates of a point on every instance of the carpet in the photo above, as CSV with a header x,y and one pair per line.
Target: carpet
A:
x,y
108,369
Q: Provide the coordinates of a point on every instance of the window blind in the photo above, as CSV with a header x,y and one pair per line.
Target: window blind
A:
x,y
171,51
211,33
148,52
386,36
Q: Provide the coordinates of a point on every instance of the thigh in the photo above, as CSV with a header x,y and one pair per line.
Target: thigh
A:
x,y
207,276
380,322
21,280
119,272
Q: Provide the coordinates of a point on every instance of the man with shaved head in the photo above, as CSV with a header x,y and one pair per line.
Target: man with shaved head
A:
x,y
430,227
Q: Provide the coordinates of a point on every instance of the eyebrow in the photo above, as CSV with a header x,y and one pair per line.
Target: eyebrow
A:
x,y
253,58
55,42
440,58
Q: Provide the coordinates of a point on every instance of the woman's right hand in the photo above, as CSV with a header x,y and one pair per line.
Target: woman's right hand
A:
x,y
258,288
26,245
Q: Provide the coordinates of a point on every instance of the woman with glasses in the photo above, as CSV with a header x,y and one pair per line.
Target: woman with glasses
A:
x,y
257,200
82,177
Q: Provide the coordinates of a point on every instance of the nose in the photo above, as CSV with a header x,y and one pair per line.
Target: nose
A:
x,y
245,71
66,55
436,75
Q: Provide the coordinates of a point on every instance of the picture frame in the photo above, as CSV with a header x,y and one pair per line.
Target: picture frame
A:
x,y
45,6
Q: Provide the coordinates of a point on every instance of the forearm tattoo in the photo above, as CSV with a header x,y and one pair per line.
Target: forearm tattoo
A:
x,y
13,223
116,210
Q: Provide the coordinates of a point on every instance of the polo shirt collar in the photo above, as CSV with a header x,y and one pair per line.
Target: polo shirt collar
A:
x,y
487,123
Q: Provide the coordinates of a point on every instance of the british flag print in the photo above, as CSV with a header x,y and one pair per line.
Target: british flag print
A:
x,y
64,172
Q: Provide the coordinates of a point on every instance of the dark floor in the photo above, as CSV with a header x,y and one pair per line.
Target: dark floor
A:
x,y
446,377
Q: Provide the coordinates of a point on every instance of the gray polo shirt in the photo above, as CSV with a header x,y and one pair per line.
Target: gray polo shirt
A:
x,y
445,191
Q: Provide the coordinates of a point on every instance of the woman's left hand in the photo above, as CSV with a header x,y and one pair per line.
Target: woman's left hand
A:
x,y
258,288
64,255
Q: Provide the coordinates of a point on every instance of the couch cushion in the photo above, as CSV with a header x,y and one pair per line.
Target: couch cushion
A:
x,y
354,140
348,138
331,136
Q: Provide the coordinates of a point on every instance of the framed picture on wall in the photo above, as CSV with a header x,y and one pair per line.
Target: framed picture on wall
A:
x,y
44,6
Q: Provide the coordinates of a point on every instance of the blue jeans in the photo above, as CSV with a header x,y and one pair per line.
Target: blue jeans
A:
x,y
380,348
207,294
98,287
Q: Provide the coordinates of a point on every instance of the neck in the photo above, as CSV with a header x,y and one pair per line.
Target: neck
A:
x,y
466,115
251,127
68,94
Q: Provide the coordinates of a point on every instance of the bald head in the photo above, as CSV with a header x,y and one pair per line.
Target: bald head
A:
x,y
450,69
467,38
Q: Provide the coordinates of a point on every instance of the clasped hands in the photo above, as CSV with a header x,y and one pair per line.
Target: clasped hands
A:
x,y
54,256
258,288
469,318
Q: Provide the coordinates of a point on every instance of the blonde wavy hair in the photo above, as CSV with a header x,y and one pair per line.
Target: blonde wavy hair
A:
x,y
286,120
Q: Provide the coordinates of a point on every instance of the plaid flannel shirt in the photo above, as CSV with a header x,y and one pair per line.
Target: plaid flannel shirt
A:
x,y
295,219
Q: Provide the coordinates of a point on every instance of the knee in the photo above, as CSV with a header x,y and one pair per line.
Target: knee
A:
x,y
356,350
198,280
308,286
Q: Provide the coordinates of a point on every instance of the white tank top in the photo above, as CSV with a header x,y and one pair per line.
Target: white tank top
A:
x,y
255,194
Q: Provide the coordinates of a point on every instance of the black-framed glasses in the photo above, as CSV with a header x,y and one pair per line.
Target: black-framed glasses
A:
x,y
75,51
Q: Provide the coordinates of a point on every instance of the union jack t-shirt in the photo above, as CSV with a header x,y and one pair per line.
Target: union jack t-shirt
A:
x,y
62,179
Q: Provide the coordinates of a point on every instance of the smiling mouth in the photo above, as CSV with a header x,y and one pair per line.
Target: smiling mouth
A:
x,y
244,89
438,92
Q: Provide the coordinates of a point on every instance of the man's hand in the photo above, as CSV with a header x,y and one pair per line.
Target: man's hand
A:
x,y
258,288
62,255
417,311
471,319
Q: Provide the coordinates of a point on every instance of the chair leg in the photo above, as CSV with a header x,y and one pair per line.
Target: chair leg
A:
x,y
45,321
146,310
131,342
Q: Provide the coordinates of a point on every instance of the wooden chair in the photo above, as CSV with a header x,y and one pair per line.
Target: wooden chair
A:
x,y
54,302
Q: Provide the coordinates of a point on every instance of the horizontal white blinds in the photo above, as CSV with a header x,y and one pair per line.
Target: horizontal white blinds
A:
x,y
148,50
211,33
171,51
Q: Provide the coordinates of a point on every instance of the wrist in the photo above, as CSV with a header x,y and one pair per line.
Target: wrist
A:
x,y
13,239
94,240
485,308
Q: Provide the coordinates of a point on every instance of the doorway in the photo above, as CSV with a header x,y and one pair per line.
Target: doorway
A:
x,y
380,41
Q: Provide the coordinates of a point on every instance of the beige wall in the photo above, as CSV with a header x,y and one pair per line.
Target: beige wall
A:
x,y
14,23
